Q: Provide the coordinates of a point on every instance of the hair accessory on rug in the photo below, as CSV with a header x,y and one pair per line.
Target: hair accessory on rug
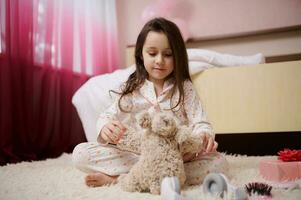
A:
x,y
259,189
288,155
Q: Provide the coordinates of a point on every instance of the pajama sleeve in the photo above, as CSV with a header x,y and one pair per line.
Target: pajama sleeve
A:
x,y
114,113
105,117
196,115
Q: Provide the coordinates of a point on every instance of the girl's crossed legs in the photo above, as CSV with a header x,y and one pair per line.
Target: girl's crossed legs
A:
x,y
105,163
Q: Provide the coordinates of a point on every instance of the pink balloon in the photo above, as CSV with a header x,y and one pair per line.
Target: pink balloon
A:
x,y
183,26
150,12
166,7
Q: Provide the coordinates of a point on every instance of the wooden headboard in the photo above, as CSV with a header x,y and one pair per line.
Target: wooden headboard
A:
x,y
250,99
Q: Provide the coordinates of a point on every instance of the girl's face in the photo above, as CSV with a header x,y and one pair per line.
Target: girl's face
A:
x,y
157,57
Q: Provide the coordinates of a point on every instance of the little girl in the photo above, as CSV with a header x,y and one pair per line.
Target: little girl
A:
x,y
161,82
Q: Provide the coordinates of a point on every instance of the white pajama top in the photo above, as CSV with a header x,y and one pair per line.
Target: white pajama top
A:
x,y
145,98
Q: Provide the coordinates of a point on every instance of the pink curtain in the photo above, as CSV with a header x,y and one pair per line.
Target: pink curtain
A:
x,y
48,49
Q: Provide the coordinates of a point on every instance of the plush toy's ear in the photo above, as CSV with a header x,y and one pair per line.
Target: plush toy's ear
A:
x,y
144,119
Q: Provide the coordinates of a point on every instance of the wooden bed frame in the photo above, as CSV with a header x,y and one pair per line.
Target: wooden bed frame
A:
x,y
252,99
255,110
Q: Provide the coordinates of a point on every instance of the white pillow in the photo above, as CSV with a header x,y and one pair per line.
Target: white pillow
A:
x,y
93,97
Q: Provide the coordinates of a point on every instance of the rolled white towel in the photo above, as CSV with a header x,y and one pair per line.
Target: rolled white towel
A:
x,y
223,60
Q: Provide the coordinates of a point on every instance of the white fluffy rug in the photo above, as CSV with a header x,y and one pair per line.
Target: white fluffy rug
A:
x,y
57,179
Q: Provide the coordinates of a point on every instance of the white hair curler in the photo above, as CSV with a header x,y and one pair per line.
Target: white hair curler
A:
x,y
171,189
218,184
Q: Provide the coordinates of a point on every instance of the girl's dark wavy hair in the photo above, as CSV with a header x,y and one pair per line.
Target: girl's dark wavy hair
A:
x,y
180,59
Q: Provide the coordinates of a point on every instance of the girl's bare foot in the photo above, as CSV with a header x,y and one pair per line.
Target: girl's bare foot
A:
x,y
99,179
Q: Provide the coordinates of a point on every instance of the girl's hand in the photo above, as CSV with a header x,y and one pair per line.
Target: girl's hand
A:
x,y
112,132
209,144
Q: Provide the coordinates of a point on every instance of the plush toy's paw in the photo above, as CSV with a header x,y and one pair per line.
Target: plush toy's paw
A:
x,y
164,124
189,142
144,119
183,134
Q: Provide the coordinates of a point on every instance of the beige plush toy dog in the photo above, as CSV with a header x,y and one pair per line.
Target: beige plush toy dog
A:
x,y
161,154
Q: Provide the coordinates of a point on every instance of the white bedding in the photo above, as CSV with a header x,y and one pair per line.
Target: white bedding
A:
x,y
93,97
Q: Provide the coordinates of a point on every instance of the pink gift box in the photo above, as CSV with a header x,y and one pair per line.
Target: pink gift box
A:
x,y
279,171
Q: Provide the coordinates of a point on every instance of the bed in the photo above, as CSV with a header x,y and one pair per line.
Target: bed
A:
x,y
255,106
